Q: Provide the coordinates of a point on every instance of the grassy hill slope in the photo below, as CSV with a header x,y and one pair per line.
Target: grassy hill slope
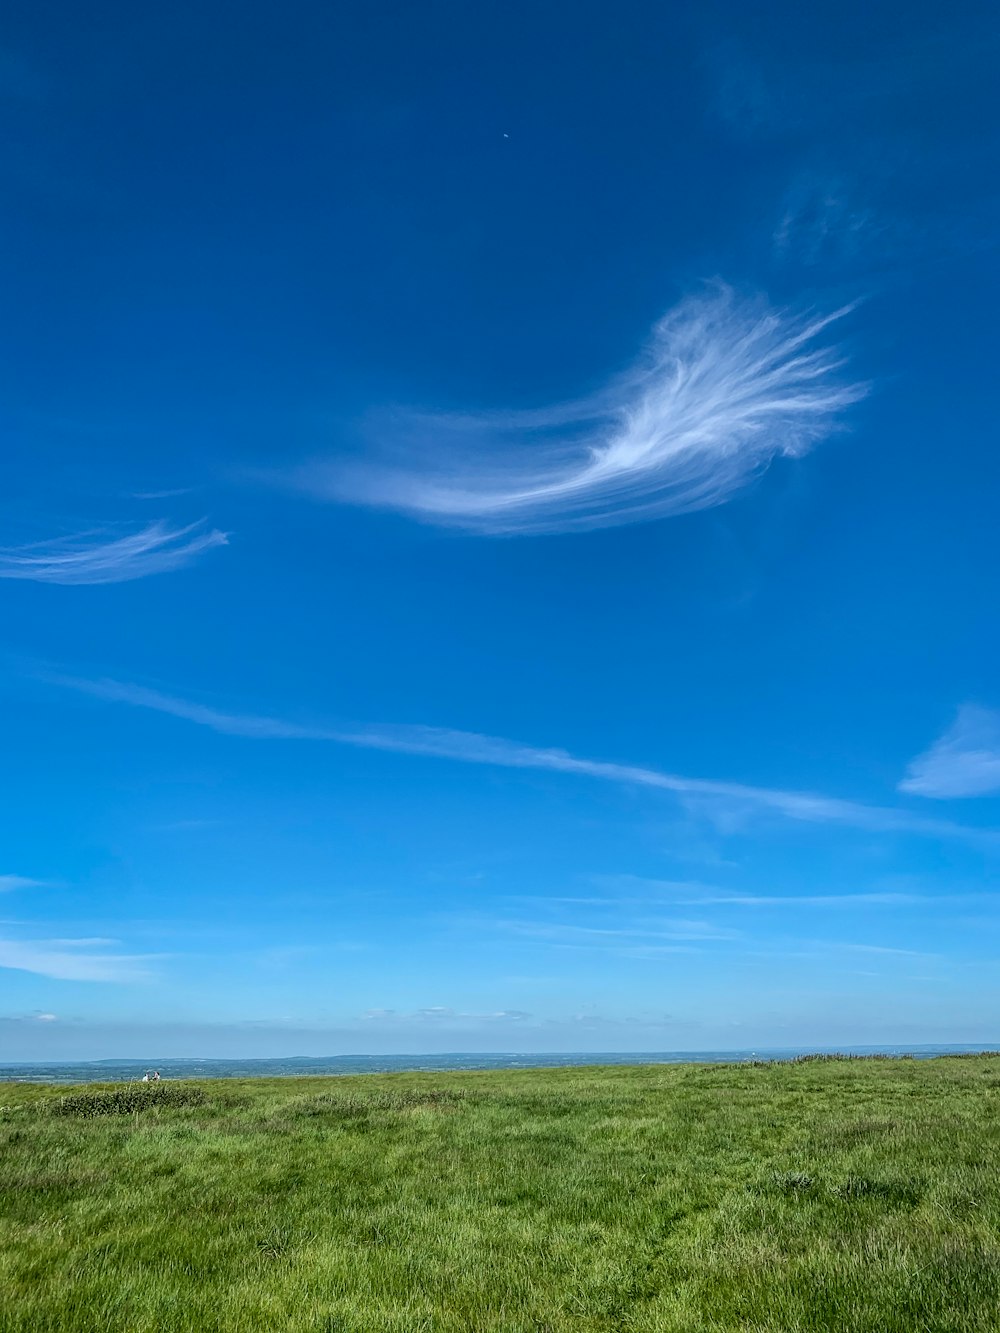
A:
x,y
826,1194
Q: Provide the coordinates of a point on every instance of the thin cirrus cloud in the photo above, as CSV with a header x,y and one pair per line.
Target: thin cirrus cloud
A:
x,y
472,748
96,557
822,221
636,890
725,386
72,960
443,1014
717,898
965,761
10,883
645,939
602,937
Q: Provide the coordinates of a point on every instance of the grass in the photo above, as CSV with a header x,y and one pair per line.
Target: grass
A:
x,y
857,1195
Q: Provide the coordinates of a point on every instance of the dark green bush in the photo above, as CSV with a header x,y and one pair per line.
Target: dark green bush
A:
x,y
127,1099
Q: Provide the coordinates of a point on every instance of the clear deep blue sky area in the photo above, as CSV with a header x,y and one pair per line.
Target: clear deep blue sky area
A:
x,y
499,527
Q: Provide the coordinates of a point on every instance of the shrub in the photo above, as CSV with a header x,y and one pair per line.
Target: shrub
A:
x,y
127,1099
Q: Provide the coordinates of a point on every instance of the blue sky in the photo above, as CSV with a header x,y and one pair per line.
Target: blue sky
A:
x,y
498,531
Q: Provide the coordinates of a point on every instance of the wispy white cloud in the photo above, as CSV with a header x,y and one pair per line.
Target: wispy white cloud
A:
x,y
636,936
641,890
644,932
849,900
440,1014
86,942
718,898
472,748
8,883
965,761
822,221
725,386
884,949
162,495
96,557
230,724
628,938
72,960
827,950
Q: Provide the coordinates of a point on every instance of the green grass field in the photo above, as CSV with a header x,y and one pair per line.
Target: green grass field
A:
x,y
856,1195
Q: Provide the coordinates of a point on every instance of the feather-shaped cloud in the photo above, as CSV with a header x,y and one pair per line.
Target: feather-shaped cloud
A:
x,y
725,386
